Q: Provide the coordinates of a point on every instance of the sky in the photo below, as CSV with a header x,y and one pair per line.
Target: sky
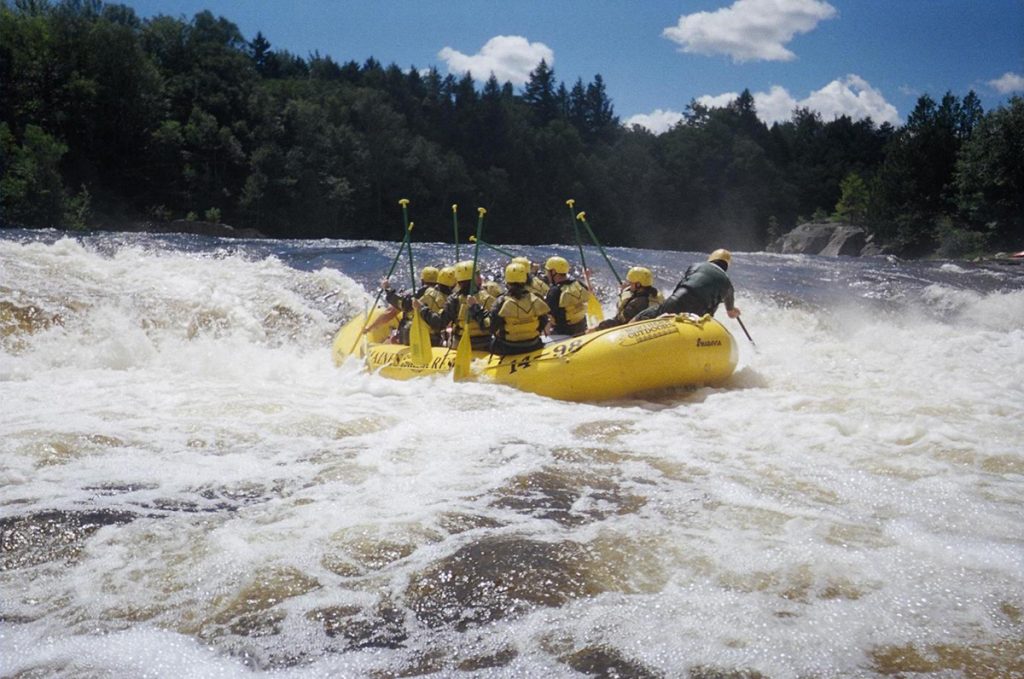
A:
x,y
837,57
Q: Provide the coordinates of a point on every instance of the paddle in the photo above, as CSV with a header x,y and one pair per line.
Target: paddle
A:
x,y
472,239
594,309
583,218
455,225
464,354
740,321
380,291
419,339
408,227
419,333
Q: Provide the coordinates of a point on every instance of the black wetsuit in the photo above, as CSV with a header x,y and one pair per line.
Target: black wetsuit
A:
x,y
704,286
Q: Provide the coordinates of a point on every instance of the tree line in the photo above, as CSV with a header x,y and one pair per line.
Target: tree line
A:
x,y
108,118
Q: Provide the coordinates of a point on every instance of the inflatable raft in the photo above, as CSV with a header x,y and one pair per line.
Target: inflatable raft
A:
x,y
660,353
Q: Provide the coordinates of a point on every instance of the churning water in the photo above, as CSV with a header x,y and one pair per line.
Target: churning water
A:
x,y
190,488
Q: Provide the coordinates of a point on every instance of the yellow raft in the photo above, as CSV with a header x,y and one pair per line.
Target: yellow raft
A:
x,y
661,353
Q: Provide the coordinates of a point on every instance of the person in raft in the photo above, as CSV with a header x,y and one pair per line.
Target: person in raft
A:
x,y
638,294
402,304
534,283
518,316
703,287
431,305
567,299
473,308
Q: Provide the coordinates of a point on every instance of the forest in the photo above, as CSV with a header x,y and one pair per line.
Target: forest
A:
x,y
108,119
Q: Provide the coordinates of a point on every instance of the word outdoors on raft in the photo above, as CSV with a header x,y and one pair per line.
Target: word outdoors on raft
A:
x,y
648,332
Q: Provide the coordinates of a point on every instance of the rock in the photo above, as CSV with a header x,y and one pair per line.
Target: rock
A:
x,y
846,241
871,248
130,225
206,229
807,239
825,238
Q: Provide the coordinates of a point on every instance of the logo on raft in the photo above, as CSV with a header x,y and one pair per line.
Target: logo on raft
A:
x,y
648,331
402,358
708,343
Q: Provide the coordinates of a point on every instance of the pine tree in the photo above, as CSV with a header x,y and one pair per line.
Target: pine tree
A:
x,y
539,94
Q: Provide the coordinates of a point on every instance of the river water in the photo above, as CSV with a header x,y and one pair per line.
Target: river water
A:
x,y
190,488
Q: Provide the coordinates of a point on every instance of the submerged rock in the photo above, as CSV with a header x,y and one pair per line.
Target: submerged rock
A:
x,y
499,577
33,539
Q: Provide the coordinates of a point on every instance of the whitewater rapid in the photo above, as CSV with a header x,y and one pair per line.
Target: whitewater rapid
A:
x,y
189,487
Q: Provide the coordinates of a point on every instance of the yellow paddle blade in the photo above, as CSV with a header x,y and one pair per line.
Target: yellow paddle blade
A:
x,y
594,309
464,353
419,339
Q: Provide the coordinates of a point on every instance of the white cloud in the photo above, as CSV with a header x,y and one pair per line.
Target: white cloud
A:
x,y
852,96
749,30
509,57
657,122
775,105
718,100
1008,82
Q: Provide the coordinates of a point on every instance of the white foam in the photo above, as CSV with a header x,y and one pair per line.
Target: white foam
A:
x,y
857,484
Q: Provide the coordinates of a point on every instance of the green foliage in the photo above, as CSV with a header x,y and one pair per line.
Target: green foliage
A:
x,y
169,116
31,189
990,174
852,207
79,206
958,242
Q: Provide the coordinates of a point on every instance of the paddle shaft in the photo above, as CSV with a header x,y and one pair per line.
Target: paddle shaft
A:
x,y
740,321
405,219
582,218
493,247
455,226
463,354
380,291
579,244
476,247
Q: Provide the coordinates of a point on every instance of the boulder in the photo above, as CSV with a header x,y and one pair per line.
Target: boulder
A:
x,y
824,238
807,239
207,229
846,241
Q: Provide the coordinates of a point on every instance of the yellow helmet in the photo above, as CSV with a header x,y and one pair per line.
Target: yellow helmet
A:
x,y
641,275
446,277
522,260
720,255
464,270
429,274
557,264
515,272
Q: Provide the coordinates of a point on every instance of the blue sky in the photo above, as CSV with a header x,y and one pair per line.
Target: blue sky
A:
x,y
855,57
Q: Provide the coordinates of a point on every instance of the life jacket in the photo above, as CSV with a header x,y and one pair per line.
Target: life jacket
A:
x,y
494,288
573,299
475,329
537,286
632,302
433,299
521,316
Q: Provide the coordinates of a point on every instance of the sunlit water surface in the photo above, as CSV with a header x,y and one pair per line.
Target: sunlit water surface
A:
x,y
190,488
